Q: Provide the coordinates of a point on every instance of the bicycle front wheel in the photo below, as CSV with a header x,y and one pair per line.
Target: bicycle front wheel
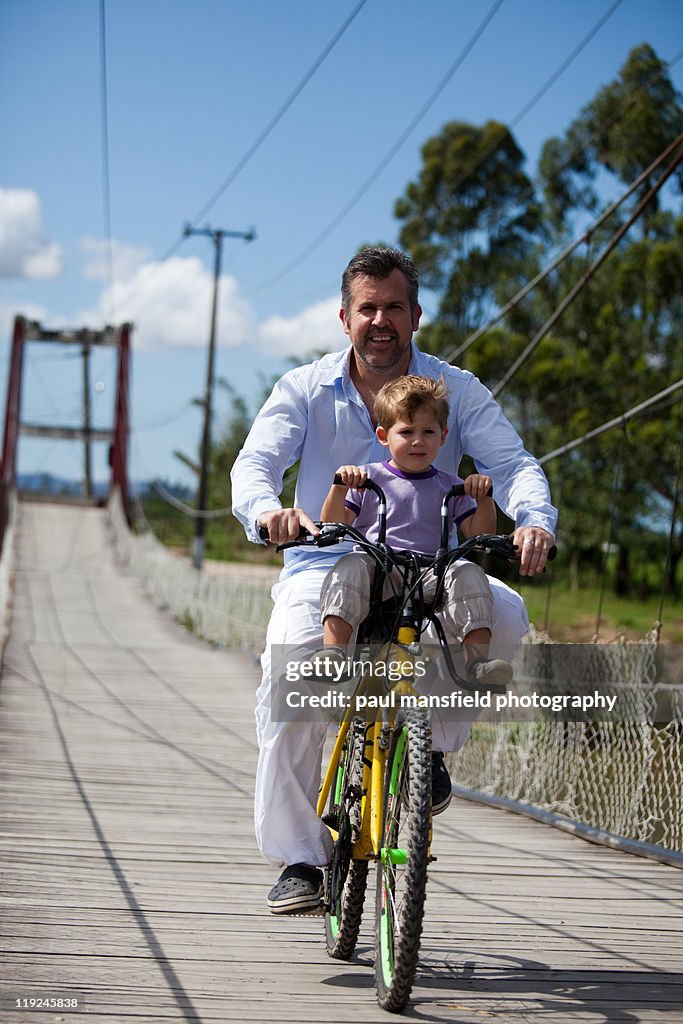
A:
x,y
345,878
402,867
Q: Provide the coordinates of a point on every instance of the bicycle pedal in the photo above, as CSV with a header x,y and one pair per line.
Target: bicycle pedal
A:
x,y
318,911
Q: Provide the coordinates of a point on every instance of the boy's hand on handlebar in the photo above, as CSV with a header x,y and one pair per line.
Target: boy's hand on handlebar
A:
x,y
351,476
477,486
284,524
533,545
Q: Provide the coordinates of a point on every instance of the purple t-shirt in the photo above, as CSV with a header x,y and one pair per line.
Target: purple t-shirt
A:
x,y
413,507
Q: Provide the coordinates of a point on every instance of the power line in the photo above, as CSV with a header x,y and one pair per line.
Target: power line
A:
x,y
256,144
106,190
165,419
277,117
391,153
559,71
566,63
528,106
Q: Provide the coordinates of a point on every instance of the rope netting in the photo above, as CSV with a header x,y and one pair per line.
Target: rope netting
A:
x,y
624,776
232,612
7,566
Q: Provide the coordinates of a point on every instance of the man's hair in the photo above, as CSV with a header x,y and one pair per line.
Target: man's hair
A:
x,y
402,398
379,261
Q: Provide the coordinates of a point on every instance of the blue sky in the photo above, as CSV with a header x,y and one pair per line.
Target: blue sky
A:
x,y
191,86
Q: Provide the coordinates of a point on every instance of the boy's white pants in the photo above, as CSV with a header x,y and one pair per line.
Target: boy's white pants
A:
x,y
288,830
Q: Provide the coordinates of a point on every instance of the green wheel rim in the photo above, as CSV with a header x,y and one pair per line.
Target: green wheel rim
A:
x,y
389,856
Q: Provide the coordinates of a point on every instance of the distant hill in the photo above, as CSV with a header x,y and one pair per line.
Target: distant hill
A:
x,y
47,483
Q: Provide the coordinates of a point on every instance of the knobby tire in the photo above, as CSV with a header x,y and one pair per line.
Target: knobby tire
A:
x,y
345,878
401,887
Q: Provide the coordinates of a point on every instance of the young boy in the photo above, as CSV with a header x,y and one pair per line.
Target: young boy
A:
x,y
412,415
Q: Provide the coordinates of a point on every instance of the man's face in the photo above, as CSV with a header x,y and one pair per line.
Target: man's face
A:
x,y
380,323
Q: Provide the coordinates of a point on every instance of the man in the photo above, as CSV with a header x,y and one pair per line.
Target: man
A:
x,y
322,415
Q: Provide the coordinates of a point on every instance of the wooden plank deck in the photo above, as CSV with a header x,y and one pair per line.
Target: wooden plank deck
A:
x,y
130,874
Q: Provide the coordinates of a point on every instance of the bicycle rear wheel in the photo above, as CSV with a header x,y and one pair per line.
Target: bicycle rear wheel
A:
x,y
402,868
345,878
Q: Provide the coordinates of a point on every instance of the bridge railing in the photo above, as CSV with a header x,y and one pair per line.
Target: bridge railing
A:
x,y
8,511
622,772
230,612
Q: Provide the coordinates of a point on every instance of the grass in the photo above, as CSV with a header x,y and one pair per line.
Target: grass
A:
x,y
224,537
572,614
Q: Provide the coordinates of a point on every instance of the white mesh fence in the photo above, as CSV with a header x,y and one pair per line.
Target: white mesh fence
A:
x,y
232,612
623,777
7,566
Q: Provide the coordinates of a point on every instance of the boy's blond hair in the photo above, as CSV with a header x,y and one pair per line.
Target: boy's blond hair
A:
x,y
402,398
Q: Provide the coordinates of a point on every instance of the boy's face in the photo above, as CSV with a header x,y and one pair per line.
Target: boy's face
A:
x,y
413,444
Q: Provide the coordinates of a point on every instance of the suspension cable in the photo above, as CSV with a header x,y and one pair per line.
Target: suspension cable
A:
x,y
618,421
567,251
569,298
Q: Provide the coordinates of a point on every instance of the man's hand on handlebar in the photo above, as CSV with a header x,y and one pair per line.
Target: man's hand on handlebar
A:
x,y
533,545
285,524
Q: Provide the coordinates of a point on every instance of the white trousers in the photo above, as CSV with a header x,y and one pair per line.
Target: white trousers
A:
x,y
288,830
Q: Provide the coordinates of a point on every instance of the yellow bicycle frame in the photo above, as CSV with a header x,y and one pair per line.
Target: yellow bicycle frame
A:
x,y
368,843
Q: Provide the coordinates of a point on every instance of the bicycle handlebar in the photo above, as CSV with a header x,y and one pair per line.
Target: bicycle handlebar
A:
x,y
499,544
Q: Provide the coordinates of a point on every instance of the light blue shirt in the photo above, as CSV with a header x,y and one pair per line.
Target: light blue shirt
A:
x,y
316,415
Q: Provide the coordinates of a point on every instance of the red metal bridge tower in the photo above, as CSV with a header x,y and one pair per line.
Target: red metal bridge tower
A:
x,y
118,337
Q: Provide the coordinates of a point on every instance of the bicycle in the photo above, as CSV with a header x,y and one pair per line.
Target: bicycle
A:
x,y
375,796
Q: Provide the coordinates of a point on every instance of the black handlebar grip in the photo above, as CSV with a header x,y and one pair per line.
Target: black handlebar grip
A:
x,y
338,480
369,485
458,490
264,535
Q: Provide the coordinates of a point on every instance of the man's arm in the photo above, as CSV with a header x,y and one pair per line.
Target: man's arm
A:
x,y
273,445
520,485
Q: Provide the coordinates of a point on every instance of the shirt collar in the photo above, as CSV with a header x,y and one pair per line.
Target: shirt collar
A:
x,y
335,366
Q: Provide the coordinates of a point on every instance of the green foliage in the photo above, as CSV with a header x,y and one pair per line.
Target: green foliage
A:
x,y
468,219
478,230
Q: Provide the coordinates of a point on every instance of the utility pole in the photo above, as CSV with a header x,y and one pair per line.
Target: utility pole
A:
x,y
87,425
217,235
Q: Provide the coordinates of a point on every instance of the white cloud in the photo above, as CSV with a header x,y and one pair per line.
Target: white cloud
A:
x,y
24,250
170,306
316,328
125,259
